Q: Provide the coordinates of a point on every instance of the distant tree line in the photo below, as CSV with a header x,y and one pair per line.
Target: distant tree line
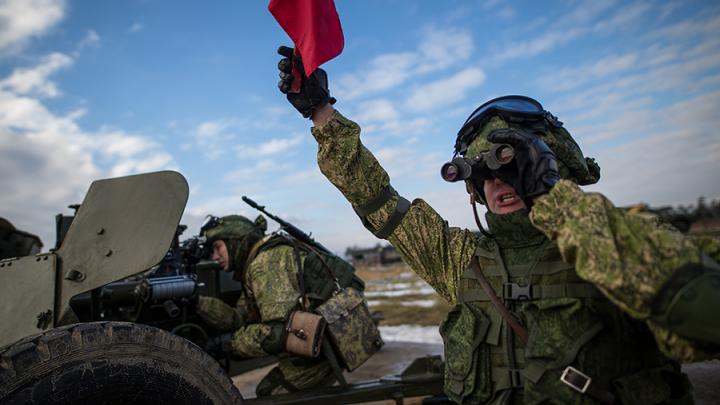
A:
x,y
699,211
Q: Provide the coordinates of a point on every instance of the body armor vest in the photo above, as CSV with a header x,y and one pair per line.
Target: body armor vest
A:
x,y
569,323
319,286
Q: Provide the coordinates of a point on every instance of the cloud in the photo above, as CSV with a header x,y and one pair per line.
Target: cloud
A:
x,y
662,155
384,72
21,20
623,18
438,50
445,91
136,27
586,11
212,137
376,110
382,117
502,8
571,78
588,17
91,40
211,129
406,163
399,126
47,160
271,147
675,68
687,28
120,144
35,80
535,46
154,162
311,175
257,171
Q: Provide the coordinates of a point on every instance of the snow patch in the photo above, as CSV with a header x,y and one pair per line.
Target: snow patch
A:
x,y
411,333
400,293
419,303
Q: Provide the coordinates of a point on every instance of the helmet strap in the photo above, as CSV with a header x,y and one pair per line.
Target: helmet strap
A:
x,y
473,203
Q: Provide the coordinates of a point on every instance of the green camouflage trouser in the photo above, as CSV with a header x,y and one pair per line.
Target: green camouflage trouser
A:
x,y
293,374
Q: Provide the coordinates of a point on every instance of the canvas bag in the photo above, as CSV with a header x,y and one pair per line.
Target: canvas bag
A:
x,y
350,328
346,321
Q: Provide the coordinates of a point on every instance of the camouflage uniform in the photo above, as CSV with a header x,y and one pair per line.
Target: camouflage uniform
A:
x,y
570,321
270,279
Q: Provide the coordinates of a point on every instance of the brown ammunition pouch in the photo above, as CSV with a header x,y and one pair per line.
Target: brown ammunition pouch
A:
x,y
304,333
352,332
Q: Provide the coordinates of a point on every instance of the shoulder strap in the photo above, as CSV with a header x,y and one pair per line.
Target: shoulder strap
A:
x,y
499,306
297,245
255,250
300,277
252,303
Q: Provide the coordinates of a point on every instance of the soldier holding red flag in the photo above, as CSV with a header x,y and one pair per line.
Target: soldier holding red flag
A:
x,y
566,298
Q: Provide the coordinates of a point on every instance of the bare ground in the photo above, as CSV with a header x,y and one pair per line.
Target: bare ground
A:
x,y
395,356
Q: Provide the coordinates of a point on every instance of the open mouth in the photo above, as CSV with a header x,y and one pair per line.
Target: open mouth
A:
x,y
507,198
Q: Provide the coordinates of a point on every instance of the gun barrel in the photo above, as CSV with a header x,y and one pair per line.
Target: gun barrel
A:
x,y
288,227
168,288
252,203
261,208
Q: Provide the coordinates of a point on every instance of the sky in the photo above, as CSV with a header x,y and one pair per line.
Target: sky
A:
x,y
93,89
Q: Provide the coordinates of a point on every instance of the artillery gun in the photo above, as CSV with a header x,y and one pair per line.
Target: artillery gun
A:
x,y
107,316
123,227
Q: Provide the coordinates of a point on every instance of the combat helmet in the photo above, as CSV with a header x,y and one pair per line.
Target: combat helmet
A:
x,y
528,114
238,233
475,158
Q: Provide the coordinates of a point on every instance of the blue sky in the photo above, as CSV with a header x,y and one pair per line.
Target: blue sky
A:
x,y
95,89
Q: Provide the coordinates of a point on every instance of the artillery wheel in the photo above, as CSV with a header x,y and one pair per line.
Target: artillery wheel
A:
x,y
111,363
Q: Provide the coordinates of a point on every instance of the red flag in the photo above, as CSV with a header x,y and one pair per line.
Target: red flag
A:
x,y
314,27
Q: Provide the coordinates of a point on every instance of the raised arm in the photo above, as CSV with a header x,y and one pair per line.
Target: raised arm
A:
x,y
436,252
652,272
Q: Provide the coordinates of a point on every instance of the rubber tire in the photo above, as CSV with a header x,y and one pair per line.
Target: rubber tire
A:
x,y
111,363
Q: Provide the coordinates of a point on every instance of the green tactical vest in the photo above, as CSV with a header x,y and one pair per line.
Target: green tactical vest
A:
x,y
569,323
319,285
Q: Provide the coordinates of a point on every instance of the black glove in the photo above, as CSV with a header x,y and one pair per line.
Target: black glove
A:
x,y
314,91
537,169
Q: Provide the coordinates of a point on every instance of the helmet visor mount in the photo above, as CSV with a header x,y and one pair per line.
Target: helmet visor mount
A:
x,y
517,109
209,223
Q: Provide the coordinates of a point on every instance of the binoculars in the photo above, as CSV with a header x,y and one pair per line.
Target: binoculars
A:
x,y
462,169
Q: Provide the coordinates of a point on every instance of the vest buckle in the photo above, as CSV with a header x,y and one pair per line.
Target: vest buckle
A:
x,y
519,292
575,379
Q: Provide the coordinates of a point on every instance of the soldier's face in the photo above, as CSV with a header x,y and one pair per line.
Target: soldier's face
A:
x,y
220,254
501,198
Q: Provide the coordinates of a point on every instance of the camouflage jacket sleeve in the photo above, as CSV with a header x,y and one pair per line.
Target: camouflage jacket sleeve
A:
x,y
218,314
628,257
272,279
436,252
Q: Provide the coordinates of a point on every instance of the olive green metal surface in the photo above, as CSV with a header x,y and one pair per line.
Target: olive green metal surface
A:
x,y
124,226
27,288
